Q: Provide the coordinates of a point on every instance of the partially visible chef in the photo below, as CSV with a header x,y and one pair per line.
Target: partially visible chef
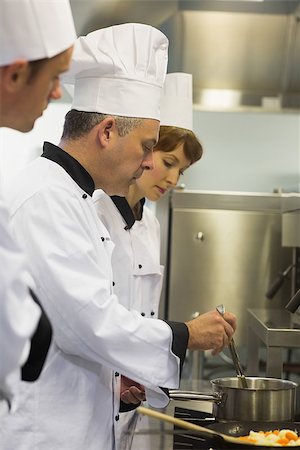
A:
x,y
134,228
107,143
36,44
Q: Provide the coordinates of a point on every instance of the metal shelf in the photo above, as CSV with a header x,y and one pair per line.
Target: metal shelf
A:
x,y
276,329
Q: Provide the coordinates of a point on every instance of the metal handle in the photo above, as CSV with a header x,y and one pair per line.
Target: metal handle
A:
x,y
235,358
234,355
177,394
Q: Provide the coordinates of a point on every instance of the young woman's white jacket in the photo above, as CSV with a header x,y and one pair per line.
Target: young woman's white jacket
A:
x,y
73,404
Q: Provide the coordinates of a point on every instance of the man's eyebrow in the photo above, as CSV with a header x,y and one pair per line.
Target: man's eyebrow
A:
x,y
152,142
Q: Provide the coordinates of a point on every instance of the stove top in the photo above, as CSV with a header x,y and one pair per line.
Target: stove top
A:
x,y
186,441
190,441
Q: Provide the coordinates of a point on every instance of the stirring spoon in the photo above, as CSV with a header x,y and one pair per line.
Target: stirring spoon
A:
x,y
234,355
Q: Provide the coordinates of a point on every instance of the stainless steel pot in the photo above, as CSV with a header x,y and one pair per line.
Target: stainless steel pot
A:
x,y
265,399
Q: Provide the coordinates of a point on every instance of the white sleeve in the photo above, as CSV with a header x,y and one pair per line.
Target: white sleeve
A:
x,y
19,314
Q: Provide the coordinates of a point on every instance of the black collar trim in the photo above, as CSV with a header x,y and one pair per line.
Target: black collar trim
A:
x,y
71,166
126,211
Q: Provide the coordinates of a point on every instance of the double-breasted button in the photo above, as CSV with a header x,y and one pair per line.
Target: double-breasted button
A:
x,y
152,313
140,266
84,196
102,239
117,374
113,283
143,314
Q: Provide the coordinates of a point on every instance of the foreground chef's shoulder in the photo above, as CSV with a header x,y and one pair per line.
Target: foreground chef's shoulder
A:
x,y
40,175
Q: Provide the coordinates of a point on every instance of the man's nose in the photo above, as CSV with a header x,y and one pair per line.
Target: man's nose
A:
x,y
56,91
148,163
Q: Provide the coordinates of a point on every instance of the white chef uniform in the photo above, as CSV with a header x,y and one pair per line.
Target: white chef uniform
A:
x,y
136,264
29,29
73,405
19,315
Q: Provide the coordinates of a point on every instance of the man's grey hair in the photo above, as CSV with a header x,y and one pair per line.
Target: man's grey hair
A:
x,y
79,123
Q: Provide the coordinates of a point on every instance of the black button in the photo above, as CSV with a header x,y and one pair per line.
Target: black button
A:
x,y
143,314
140,266
152,313
113,283
117,417
117,374
102,239
84,196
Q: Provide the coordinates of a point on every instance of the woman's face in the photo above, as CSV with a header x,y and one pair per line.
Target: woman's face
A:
x,y
168,166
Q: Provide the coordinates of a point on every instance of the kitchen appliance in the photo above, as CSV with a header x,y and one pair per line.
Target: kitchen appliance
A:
x,y
185,441
220,435
291,238
241,53
222,245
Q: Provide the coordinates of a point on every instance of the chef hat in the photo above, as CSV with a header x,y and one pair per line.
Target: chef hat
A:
x,y
119,70
34,29
177,101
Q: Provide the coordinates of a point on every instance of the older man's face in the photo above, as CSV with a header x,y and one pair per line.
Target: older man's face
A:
x,y
132,154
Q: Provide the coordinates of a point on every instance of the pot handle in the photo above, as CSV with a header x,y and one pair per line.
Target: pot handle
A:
x,y
177,394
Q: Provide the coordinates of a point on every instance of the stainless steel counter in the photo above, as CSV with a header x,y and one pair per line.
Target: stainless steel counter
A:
x,y
274,328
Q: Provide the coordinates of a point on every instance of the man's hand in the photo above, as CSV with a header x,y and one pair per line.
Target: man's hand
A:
x,y
211,331
131,392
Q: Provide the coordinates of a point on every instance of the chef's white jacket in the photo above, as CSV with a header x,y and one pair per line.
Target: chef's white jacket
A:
x,y
73,405
19,314
136,266
137,271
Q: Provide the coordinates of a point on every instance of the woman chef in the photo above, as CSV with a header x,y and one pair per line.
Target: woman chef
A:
x,y
134,228
36,44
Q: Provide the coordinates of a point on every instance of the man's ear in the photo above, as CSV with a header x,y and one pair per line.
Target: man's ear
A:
x,y
15,75
106,130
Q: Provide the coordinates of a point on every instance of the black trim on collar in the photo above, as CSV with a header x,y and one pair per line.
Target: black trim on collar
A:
x,y
126,211
71,166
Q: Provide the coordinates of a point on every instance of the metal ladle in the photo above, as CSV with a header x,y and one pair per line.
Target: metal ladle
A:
x,y
234,355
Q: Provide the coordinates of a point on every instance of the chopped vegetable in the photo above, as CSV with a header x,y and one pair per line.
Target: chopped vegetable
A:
x,y
275,438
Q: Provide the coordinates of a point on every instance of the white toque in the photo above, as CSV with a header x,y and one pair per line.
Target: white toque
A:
x,y
34,29
177,101
119,70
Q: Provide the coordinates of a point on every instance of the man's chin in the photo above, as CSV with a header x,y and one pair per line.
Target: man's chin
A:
x,y
119,193
24,129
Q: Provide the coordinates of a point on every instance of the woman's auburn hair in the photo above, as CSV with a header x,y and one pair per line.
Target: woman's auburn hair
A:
x,y
171,137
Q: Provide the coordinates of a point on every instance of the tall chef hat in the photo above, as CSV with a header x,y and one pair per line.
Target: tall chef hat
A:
x,y
34,29
177,101
119,70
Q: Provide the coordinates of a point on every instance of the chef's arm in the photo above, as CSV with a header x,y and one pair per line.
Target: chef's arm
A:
x,y
179,346
40,343
180,340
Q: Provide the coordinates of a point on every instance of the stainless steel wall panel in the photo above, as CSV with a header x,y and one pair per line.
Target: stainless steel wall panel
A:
x,y
228,256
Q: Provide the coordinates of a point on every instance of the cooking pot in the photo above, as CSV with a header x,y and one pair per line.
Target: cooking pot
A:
x,y
264,399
